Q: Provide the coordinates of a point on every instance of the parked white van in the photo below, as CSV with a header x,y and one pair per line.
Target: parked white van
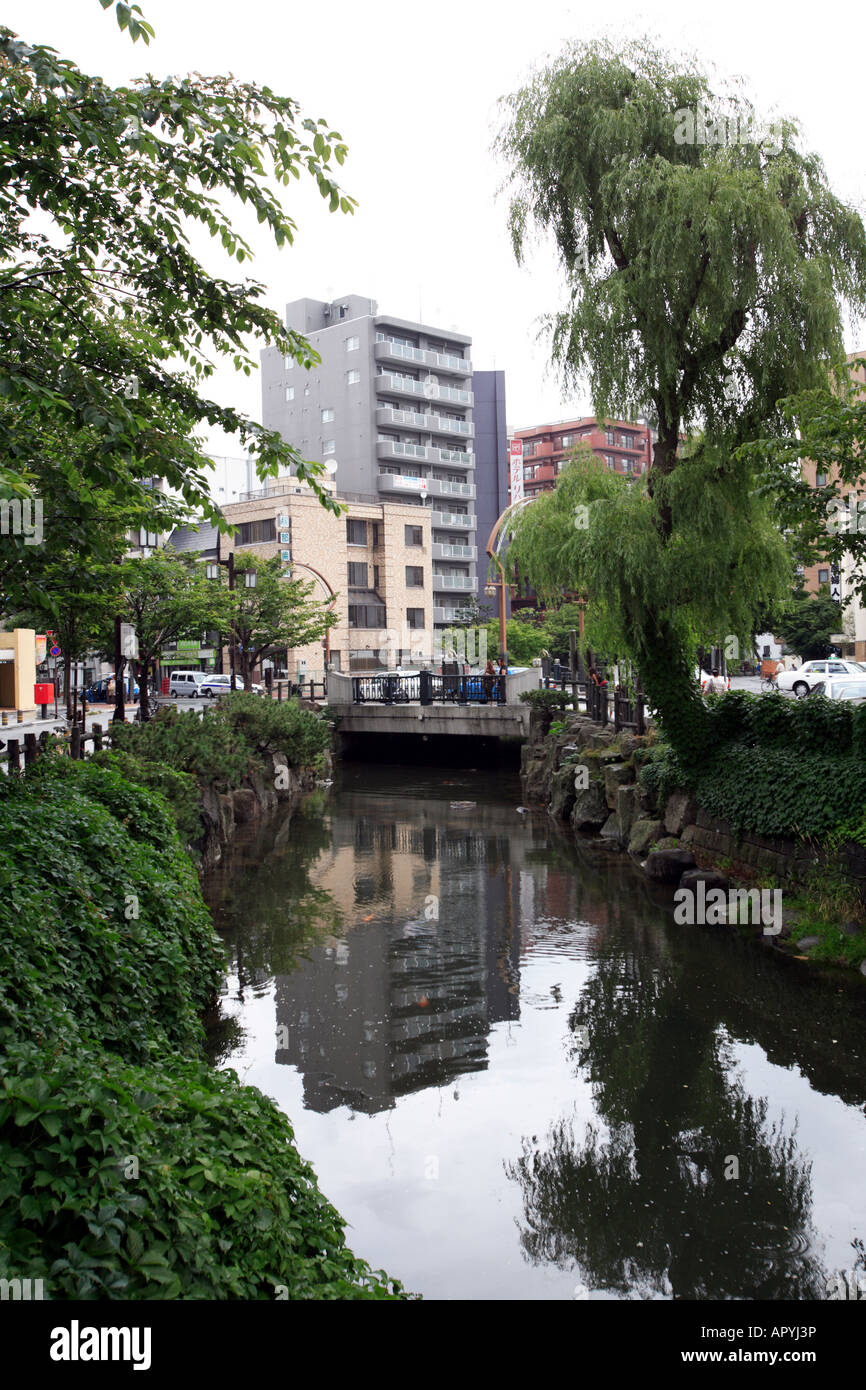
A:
x,y
185,682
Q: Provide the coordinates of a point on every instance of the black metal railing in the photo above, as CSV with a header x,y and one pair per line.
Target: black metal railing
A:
x,y
427,687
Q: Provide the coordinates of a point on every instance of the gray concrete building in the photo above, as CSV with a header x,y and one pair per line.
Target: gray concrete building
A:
x,y
389,411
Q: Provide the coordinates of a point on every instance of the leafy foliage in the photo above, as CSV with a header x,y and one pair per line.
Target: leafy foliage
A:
x,y
702,283
128,1170
100,288
222,746
278,612
807,622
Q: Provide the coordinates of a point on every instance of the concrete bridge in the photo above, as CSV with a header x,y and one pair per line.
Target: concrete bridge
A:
x,y
438,707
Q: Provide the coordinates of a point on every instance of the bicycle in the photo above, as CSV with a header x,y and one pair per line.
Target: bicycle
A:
x,y
769,683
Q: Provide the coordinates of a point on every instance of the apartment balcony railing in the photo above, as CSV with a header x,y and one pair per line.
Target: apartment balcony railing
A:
x,y
424,390
428,421
463,582
403,449
400,482
437,488
453,520
443,551
423,357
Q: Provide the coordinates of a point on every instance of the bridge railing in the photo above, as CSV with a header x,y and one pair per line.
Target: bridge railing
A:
x,y
427,687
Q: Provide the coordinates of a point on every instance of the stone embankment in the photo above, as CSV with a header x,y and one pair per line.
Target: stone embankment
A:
x,y
222,813
588,777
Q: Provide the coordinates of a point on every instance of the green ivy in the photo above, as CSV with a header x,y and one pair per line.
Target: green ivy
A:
x,y
128,1168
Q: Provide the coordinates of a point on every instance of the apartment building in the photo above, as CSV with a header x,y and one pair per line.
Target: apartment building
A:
x,y
622,447
389,410
375,561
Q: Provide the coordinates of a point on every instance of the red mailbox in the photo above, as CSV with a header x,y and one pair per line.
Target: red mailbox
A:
x,y
43,693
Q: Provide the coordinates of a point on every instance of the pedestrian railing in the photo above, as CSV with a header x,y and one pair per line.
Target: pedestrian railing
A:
x,y
427,687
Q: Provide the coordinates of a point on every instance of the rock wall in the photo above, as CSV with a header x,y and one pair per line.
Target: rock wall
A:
x,y
223,812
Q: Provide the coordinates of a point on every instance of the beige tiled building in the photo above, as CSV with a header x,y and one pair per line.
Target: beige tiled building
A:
x,y
376,557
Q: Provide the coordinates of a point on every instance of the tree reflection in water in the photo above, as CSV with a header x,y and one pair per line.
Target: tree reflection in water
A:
x,y
684,1189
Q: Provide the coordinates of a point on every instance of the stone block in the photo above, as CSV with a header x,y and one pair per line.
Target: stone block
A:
x,y
668,865
629,807
643,834
616,775
681,810
590,810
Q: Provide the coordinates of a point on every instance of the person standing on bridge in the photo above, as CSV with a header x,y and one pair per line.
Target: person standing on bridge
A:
x,y
487,679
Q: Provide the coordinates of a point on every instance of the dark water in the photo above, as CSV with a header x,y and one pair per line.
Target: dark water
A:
x,y
517,1077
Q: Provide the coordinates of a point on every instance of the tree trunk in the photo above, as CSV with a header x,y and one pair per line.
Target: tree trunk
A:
x,y
67,680
143,691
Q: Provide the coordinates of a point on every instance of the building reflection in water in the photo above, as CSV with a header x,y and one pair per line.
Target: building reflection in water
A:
x,y
428,964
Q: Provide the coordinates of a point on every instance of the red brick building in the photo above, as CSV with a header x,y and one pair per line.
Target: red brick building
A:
x,y
621,447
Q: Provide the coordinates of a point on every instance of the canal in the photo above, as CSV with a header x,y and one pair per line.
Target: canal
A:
x,y
515,1076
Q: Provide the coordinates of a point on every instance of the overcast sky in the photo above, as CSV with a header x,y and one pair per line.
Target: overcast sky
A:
x,y
413,89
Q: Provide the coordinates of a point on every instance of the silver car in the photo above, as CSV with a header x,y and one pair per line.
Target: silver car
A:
x,y
844,688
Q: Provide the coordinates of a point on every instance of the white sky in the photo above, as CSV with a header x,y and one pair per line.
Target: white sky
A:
x,y
413,88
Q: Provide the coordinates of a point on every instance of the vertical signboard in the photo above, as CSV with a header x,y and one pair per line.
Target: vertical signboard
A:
x,y
515,454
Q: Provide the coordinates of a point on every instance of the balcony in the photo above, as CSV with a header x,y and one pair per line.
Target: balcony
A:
x,y
448,615
429,453
398,483
453,521
436,488
423,390
444,551
432,423
422,357
464,583
396,449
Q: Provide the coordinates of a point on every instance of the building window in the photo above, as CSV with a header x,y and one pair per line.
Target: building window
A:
x,y
530,448
329,446
290,393
289,363
414,535
256,532
609,437
352,378
527,474
626,441
356,532
566,441
415,617
823,576
820,479
327,417
367,615
352,344
414,577
147,538
610,461
357,574
376,540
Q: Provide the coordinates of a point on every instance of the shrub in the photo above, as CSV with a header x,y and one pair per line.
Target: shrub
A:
x,y
547,699
128,1170
165,1182
107,933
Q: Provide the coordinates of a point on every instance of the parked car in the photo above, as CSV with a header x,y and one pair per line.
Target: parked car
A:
x,y
211,686
185,683
98,692
812,673
843,688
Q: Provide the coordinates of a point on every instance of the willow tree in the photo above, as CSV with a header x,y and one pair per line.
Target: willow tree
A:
x,y
704,260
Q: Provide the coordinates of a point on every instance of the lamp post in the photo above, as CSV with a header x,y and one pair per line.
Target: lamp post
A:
x,y
494,587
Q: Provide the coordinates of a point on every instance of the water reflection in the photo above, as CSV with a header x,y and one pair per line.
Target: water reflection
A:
x,y
606,1099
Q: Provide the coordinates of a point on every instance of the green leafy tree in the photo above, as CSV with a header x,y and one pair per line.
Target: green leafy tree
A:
x,y
277,612
806,623
108,321
827,425
167,597
702,280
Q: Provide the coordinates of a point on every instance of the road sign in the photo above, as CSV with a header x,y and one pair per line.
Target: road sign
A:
x,y
55,650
